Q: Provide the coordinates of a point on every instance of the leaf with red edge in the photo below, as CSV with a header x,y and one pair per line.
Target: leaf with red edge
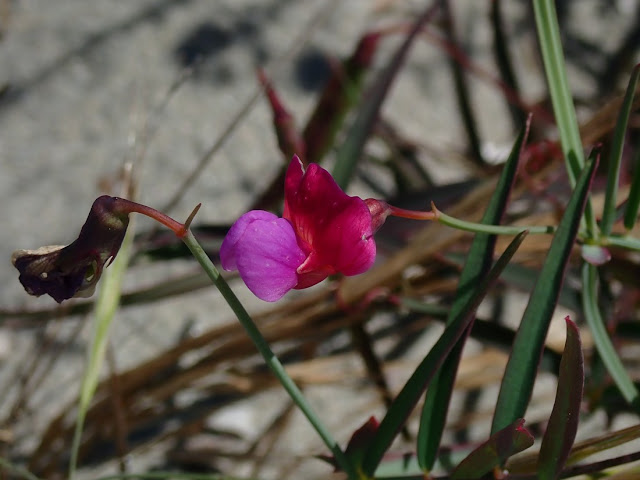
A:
x,y
563,423
361,439
358,443
495,451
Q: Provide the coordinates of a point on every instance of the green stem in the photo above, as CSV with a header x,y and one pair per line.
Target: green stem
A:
x,y
270,358
604,346
453,222
437,216
622,241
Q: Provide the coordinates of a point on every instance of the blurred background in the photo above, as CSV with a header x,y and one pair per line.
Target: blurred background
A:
x,y
90,88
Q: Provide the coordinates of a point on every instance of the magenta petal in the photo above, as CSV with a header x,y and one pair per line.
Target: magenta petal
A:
x,y
267,256
335,227
346,244
230,243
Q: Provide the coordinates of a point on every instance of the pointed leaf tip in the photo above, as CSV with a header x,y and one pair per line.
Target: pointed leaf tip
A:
x,y
563,423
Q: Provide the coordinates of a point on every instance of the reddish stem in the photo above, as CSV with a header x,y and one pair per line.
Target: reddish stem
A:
x,y
178,228
413,214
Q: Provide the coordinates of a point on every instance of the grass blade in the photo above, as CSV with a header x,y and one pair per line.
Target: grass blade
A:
x,y
563,423
106,306
527,464
603,344
554,65
408,397
520,372
563,108
615,159
477,265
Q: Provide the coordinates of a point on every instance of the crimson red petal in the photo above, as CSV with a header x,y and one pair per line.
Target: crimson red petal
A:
x,y
332,227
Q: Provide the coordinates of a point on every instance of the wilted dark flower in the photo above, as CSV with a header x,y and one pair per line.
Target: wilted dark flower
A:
x,y
74,270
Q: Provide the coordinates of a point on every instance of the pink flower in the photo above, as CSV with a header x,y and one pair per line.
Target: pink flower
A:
x,y
323,231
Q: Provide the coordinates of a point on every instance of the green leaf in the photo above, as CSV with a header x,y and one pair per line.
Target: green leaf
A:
x,y
563,423
554,65
527,464
494,452
408,397
434,411
633,202
520,372
615,159
563,108
523,278
601,339
105,310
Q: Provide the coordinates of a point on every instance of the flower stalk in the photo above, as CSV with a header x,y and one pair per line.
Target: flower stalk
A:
x,y
265,350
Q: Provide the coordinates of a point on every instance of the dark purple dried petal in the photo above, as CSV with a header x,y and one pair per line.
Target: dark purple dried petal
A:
x,y
74,270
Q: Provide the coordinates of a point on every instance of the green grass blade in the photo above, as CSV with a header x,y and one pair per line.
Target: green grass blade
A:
x,y
350,151
520,373
408,397
633,202
434,411
106,307
563,108
554,64
603,344
563,423
615,159
527,465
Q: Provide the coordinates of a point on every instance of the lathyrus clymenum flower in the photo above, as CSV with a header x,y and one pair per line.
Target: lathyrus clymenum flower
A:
x,y
323,231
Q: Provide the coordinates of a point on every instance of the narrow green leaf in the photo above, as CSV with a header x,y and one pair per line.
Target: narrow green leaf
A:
x,y
633,202
270,358
350,151
527,464
523,278
615,159
494,452
434,411
408,397
624,241
563,423
105,310
603,344
520,372
563,108
489,332
554,65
